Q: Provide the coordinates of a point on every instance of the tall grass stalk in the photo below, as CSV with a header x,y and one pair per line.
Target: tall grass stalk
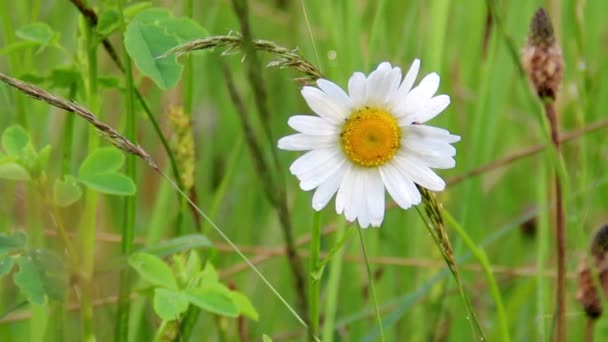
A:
x,y
332,292
370,281
482,258
128,229
314,276
89,224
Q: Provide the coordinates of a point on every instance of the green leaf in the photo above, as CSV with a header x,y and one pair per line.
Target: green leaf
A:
x,y
169,305
103,160
187,270
136,8
209,274
38,32
40,161
153,15
14,140
6,265
153,32
13,171
98,172
13,242
184,29
109,21
67,191
178,244
266,338
244,305
215,298
65,77
154,270
111,183
41,274
145,43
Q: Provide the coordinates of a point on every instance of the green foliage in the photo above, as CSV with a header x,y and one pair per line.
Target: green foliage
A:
x,y
169,305
153,32
213,297
41,275
11,170
6,265
178,244
201,288
67,191
11,243
153,269
39,33
15,140
100,172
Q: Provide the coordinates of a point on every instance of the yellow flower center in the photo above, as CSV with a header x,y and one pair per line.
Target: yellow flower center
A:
x,y
370,137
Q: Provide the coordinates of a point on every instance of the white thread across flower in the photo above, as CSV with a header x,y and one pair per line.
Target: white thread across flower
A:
x,y
370,139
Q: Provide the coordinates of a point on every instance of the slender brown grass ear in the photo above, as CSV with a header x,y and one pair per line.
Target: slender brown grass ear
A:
x,y
542,56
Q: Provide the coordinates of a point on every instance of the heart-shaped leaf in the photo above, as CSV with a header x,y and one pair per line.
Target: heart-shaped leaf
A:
x,y
244,305
154,270
99,172
67,191
38,32
13,171
213,297
168,304
6,265
153,32
13,242
14,140
41,274
111,183
103,160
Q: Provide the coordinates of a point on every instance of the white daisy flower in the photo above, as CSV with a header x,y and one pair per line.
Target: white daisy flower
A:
x,y
370,139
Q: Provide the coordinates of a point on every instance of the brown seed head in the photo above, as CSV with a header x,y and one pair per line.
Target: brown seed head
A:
x,y
542,56
587,293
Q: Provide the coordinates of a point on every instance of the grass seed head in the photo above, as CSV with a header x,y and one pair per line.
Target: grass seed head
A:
x,y
587,293
542,56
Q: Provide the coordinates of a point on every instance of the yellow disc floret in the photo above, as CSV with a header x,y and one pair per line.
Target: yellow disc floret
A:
x,y
370,137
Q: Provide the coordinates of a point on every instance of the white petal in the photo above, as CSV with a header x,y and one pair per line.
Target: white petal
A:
x,y
399,186
409,79
327,189
374,193
312,125
312,160
429,147
334,91
417,97
306,142
357,89
358,205
430,132
344,192
318,175
431,108
436,162
420,174
326,106
378,85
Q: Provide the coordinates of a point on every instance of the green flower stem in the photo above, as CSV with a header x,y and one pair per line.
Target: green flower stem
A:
x,y
370,279
481,256
314,278
188,109
333,284
128,229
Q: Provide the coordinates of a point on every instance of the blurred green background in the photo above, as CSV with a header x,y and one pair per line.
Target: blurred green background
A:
x,y
493,110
